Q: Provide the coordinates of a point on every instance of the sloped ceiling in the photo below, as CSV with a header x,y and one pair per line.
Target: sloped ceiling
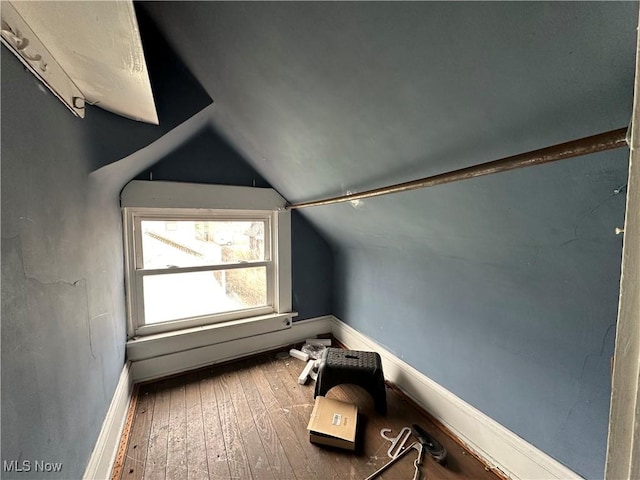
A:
x,y
512,279
503,289
327,97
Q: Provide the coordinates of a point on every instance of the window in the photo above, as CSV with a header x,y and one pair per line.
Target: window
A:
x,y
211,266
189,267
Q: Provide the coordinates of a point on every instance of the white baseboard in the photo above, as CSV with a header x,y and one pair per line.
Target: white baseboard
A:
x,y
106,447
498,446
492,442
161,366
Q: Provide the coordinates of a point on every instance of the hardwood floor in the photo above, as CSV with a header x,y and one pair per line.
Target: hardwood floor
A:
x,y
248,419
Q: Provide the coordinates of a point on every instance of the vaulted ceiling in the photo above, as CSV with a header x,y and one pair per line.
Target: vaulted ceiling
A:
x,y
502,289
324,98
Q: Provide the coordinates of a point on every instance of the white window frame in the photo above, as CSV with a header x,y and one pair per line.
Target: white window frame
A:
x,y
141,200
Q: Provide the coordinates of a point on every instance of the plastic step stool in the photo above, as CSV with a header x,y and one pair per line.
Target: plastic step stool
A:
x,y
338,366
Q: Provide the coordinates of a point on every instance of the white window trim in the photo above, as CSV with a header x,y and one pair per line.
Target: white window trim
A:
x,y
168,199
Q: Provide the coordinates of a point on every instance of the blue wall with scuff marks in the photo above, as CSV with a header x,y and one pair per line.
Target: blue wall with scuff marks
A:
x,y
63,303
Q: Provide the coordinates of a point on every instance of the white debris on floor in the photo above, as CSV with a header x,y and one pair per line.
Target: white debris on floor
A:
x,y
311,352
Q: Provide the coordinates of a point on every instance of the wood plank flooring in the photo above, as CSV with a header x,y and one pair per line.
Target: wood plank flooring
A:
x,y
248,420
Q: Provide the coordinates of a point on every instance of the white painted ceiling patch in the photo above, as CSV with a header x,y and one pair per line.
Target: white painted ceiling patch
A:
x,y
97,45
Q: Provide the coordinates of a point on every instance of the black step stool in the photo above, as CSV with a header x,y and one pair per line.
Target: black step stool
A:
x,y
338,366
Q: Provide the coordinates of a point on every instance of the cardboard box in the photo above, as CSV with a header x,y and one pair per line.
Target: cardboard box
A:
x,y
333,423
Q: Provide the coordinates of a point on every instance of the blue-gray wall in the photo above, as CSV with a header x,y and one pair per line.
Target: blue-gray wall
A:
x,y
63,327
312,261
503,289
208,158
63,310
63,307
505,297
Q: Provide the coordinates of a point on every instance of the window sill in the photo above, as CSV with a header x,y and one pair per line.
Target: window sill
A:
x,y
150,346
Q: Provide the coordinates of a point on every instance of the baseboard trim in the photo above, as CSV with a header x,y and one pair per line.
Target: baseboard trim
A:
x,y
496,445
106,447
178,362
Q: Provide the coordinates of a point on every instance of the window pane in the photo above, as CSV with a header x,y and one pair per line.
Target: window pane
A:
x,y
183,295
167,244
